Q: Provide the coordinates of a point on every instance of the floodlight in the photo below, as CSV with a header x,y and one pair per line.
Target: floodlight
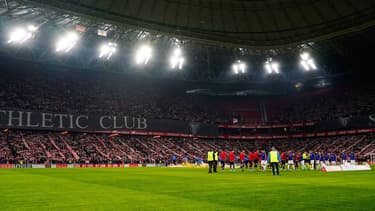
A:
x,y
235,68
107,50
239,67
67,42
305,65
272,66
305,56
177,52
242,67
181,62
275,67
176,60
307,62
268,68
143,55
312,64
20,35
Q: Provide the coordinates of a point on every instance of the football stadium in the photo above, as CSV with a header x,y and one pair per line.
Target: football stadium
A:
x,y
187,105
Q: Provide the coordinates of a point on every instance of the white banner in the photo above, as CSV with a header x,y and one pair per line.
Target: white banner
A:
x,y
346,167
38,166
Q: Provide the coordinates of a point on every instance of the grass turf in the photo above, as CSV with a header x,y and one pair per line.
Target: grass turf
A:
x,y
183,189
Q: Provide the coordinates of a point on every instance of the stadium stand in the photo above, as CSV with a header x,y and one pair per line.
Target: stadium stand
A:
x,y
62,91
323,105
39,147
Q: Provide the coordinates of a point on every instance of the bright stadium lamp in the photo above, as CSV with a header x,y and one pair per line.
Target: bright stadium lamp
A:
x,y
307,62
239,67
20,35
67,42
107,50
272,66
176,60
268,68
275,67
143,55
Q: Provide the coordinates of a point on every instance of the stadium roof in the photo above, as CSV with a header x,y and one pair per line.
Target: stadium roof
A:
x,y
340,34
256,23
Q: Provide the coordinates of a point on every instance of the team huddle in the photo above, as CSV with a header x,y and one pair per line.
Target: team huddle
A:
x,y
260,160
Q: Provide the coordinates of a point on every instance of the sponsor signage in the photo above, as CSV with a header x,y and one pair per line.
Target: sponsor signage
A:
x,y
19,119
346,167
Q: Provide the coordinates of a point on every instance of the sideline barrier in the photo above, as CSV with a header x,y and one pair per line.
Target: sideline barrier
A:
x,y
6,166
325,168
98,165
347,167
61,165
38,166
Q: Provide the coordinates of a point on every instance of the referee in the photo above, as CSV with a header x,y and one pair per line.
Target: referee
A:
x,y
274,159
216,158
210,160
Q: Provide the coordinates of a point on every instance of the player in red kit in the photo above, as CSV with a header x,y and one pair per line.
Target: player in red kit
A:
x,y
297,159
251,159
283,160
231,160
256,159
223,158
242,158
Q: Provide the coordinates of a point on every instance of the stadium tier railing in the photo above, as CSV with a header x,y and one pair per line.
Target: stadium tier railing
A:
x,y
257,126
242,137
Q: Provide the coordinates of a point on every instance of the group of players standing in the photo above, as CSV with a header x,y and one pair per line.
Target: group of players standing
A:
x,y
289,160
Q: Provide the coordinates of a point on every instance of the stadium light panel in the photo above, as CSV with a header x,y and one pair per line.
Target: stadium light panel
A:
x,y
67,42
20,35
242,67
239,67
143,55
176,60
312,64
305,56
268,68
107,50
177,52
275,67
305,65
307,62
235,69
272,67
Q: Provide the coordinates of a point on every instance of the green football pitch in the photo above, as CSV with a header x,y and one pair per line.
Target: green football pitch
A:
x,y
183,189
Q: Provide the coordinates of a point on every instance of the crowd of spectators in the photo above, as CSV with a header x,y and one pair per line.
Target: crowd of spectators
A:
x,y
39,147
336,104
115,94
105,94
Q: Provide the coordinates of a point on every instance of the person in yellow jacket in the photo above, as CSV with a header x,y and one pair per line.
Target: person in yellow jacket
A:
x,y
216,158
274,159
304,161
210,160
